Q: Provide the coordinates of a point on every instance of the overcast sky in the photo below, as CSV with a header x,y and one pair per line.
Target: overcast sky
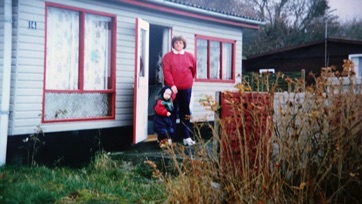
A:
x,y
347,9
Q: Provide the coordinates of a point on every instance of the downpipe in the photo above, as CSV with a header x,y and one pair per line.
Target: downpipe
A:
x,y
6,80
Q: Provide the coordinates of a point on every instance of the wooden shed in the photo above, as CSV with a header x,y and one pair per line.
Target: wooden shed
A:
x,y
311,56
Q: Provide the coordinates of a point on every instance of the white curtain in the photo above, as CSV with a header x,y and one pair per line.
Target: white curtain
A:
x,y
215,60
202,59
97,52
227,61
62,49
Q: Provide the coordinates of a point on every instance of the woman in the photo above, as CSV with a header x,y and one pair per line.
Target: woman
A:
x,y
179,69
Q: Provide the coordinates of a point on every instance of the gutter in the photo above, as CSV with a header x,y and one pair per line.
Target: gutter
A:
x,y
6,80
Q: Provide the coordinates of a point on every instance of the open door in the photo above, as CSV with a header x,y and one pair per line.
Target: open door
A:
x,y
140,114
160,40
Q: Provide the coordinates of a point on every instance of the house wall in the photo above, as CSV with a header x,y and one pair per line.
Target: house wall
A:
x,y
28,68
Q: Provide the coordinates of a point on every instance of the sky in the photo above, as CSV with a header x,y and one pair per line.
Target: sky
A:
x,y
346,9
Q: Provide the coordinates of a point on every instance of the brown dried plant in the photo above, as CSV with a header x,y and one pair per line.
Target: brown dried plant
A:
x,y
301,146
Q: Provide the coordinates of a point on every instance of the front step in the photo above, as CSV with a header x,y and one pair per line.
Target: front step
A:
x,y
151,138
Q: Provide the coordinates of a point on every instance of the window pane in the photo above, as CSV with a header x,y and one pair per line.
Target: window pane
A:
x,y
226,61
215,60
142,56
201,59
97,49
62,49
62,106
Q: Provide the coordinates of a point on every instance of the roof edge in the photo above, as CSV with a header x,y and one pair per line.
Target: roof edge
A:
x,y
209,12
176,8
338,40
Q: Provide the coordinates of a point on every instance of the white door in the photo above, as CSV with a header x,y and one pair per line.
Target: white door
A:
x,y
140,115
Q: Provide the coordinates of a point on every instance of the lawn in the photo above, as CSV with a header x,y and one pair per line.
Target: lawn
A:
x,y
103,181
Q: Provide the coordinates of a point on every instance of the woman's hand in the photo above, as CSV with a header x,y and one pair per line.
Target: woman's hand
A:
x,y
174,89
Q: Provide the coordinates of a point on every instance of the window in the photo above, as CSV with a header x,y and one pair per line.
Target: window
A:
x,y
79,68
357,62
215,59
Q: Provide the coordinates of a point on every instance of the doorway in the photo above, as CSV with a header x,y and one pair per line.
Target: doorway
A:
x,y
160,39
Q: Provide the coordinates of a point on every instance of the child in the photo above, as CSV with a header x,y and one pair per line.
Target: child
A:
x,y
162,123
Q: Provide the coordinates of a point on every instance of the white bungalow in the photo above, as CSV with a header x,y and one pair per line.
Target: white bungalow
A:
x,y
74,65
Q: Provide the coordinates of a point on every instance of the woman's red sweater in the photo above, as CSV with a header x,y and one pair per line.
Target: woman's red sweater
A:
x,y
179,70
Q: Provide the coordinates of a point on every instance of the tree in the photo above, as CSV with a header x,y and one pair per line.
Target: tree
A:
x,y
351,29
288,23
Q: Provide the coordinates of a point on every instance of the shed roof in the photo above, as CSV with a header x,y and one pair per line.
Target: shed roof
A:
x,y
306,45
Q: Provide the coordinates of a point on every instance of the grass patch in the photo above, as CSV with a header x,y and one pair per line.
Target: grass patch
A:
x,y
103,181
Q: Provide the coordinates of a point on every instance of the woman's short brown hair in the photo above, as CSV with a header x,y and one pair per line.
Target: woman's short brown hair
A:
x,y
178,38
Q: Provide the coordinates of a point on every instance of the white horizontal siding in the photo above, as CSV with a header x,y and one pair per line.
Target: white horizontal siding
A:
x,y
201,91
27,82
31,76
32,47
56,127
27,79
29,115
32,99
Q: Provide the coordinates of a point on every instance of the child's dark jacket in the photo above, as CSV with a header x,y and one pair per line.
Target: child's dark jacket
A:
x,y
162,123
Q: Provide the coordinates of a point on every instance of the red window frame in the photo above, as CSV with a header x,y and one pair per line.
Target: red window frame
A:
x,y
221,41
112,81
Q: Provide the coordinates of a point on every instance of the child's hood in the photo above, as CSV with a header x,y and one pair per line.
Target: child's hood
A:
x,y
162,91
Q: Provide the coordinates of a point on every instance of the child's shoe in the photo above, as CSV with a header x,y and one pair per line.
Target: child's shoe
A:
x,y
164,143
189,142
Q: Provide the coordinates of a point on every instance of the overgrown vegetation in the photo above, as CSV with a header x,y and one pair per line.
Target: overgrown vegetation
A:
x,y
263,82
302,146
